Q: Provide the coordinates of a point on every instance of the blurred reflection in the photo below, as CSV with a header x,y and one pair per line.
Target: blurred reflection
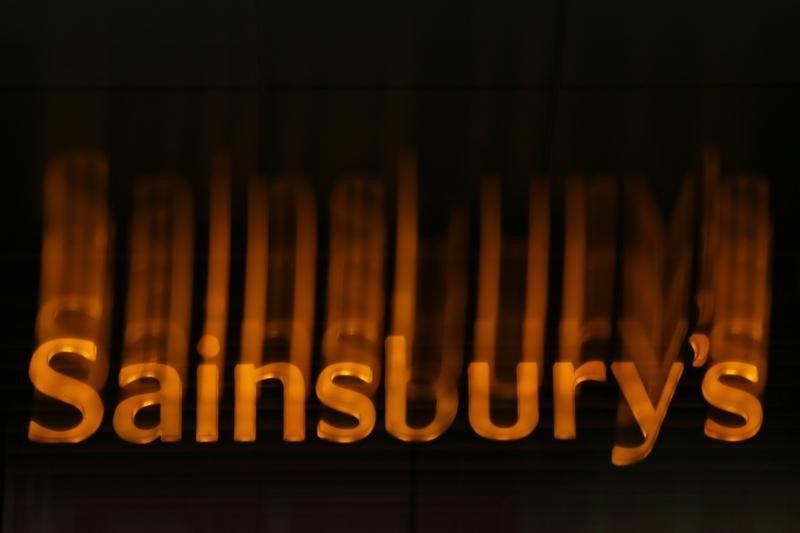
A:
x,y
524,261
281,264
72,326
588,293
158,311
355,304
211,345
424,350
279,302
589,255
656,269
429,303
351,345
734,301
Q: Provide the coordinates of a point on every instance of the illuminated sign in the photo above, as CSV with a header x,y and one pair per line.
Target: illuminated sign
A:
x,y
614,236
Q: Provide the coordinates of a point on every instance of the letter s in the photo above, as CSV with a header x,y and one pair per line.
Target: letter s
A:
x,y
78,394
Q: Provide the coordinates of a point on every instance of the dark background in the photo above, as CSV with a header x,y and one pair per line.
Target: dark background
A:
x,y
325,90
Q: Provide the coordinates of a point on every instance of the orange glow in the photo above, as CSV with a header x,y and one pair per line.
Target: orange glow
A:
x,y
347,401
656,268
168,397
398,376
527,402
75,293
648,418
208,393
489,294
77,393
566,379
424,347
587,294
354,321
734,298
159,290
212,343
269,315
431,367
158,308
589,254
733,400
255,300
404,296
247,378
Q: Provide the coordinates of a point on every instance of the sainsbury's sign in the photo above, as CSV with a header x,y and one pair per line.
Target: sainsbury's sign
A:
x,y
631,279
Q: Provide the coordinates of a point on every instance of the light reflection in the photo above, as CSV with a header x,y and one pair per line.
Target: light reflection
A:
x,y
533,253
211,345
279,299
156,342
280,274
72,326
424,348
355,300
656,273
76,280
587,293
734,300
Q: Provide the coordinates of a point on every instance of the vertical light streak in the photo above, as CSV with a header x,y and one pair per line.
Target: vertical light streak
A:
x,y
279,301
355,301
587,294
72,326
280,272
211,345
410,364
656,263
490,267
484,381
156,343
